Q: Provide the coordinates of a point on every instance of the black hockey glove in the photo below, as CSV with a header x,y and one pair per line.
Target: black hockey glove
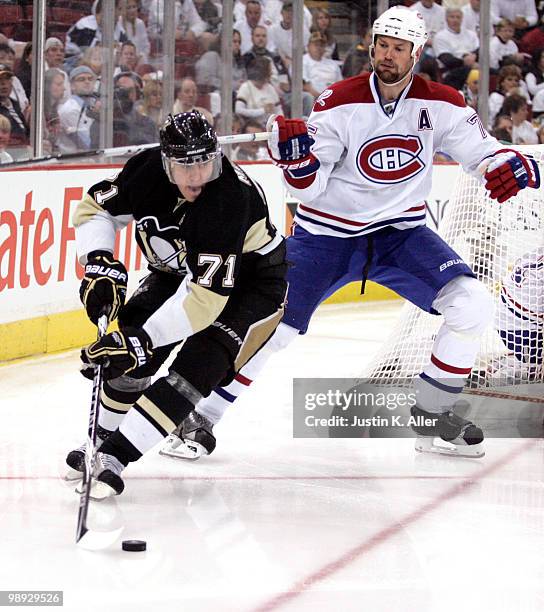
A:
x,y
119,352
104,285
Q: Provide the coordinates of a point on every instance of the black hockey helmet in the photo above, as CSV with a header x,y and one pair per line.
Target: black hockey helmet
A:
x,y
188,139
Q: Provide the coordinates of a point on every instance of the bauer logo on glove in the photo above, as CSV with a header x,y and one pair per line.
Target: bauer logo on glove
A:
x,y
104,286
119,352
289,147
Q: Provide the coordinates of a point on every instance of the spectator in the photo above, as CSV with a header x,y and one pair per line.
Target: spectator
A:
x,y
11,109
54,58
189,25
456,48
87,32
470,90
471,15
279,75
24,70
508,83
79,112
130,127
533,40
541,134
502,46
357,59
434,16
152,103
502,135
239,73
322,23
93,58
259,39
135,29
522,131
54,53
428,69
250,151
128,58
210,14
502,128
317,71
53,97
209,69
239,9
534,79
257,99
209,66
280,34
18,94
253,17
522,13
5,135
186,97
272,13
237,124
538,106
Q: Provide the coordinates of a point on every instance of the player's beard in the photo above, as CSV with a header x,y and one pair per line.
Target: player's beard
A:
x,y
390,75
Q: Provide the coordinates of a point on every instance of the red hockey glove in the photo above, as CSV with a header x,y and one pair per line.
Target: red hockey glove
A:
x,y
119,352
509,172
289,146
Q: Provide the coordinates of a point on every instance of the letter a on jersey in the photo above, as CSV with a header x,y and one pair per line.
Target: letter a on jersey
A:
x,y
424,122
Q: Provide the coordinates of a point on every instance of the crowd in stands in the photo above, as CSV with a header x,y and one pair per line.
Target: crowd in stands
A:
x,y
261,72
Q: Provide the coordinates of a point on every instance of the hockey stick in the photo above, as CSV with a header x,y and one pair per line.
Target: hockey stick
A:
x,y
120,151
85,537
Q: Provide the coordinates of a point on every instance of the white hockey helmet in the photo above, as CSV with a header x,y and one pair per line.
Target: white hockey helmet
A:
x,y
401,22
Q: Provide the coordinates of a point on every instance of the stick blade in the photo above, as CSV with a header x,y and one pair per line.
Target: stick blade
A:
x,y
98,540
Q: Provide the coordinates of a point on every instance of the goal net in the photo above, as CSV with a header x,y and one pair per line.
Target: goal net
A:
x,y
504,245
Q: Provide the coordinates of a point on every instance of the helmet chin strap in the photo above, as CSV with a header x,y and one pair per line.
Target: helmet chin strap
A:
x,y
405,77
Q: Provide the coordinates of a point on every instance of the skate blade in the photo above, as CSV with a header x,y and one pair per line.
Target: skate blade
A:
x,y
179,449
72,475
99,490
437,446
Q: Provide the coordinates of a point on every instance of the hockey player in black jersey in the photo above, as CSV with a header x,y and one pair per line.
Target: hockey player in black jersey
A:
x,y
217,281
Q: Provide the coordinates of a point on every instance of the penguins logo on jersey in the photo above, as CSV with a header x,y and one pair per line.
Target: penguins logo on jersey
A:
x,y
162,246
390,159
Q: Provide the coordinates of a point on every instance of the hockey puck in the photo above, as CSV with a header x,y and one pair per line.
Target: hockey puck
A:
x,y
134,545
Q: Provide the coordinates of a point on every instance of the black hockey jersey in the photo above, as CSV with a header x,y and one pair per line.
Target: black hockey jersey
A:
x,y
221,240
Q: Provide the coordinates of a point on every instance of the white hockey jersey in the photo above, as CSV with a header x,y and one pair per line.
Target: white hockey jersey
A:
x,y
376,169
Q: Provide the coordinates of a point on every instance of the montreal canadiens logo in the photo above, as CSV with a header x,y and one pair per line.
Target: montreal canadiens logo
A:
x,y
390,159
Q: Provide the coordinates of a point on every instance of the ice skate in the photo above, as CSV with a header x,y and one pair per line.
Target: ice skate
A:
x,y
107,480
75,460
446,434
191,440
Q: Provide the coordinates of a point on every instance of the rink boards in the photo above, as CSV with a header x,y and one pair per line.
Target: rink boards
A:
x,y
40,310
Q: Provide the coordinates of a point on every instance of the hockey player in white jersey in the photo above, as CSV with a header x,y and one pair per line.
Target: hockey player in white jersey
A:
x,y
519,320
362,168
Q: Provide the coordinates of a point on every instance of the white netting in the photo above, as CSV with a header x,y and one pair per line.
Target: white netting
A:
x,y
504,245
